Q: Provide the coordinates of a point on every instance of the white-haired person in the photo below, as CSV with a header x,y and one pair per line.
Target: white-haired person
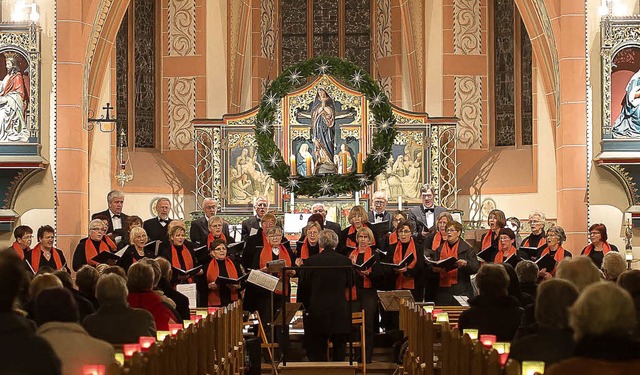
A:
x,y
537,238
555,239
603,320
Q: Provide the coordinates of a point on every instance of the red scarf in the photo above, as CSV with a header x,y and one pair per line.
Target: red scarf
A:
x,y
265,256
112,245
393,238
212,274
210,239
186,256
541,243
354,257
558,257
437,240
351,243
450,278
402,281
304,251
36,253
18,249
605,249
90,250
500,257
487,240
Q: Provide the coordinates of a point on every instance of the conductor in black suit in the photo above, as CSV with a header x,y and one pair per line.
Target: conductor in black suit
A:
x,y
261,207
156,227
319,208
322,291
116,218
379,212
200,228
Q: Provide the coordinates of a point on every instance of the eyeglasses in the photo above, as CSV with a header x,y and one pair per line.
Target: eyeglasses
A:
x,y
405,231
594,233
261,205
95,229
220,249
552,236
451,230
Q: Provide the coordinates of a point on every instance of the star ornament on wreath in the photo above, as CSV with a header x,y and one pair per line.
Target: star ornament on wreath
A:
x,y
350,75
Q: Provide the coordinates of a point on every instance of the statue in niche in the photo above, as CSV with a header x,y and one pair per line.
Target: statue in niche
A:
x,y
14,99
323,115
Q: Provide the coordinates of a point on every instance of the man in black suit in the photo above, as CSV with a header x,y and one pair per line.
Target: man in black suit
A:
x,y
379,212
261,207
156,227
425,215
200,228
322,291
319,208
116,218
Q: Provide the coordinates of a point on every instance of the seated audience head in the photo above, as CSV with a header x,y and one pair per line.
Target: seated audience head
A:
x,y
555,297
514,285
115,270
65,278
319,208
12,278
527,271
496,220
165,266
23,235
43,270
630,281
580,271
115,200
598,233
261,206
428,193
379,201
613,265
43,282
56,305
111,289
268,221
163,208
157,272
140,278
328,239
46,235
86,279
357,216
210,207
537,221
603,309
492,280
316,218
557,235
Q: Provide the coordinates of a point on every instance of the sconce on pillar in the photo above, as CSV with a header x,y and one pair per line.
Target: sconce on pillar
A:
x,y
124,171
105,119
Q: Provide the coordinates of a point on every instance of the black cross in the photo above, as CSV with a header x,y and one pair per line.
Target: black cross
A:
x,y
107,108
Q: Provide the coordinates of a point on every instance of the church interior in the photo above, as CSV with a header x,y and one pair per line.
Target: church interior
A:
x,y
520,106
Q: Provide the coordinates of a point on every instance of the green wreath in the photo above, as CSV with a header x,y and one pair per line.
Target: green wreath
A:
x,y
331,184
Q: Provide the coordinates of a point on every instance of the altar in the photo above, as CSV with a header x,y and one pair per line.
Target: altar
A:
x,y
323,127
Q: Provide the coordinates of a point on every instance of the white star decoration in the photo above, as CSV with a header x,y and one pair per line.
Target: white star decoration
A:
x,y
325,186
356,78
264,126
273,160
377,100
323,67
384,125
271,99
294,77
364,181
378,154
293,183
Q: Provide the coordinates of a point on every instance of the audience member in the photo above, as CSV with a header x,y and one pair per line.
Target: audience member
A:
x,y
115,269
86,280
85,307
21,351
630,281
527,272
603,319
115,321
141,295
554,340
38,284
581,271
164,284
514,286
492,311
613,265
57,318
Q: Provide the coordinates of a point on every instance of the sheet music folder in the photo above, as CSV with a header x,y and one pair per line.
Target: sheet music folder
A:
x,y
104,257
264,280
390,300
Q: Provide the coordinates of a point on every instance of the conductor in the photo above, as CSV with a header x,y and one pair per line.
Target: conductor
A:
x,y
323,293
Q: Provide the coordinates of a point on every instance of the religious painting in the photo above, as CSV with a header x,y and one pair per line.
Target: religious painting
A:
x,y
325,128
14,97
246,176
404,174
625,94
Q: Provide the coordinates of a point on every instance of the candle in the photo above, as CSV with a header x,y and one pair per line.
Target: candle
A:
x,y
359,170
503,349
292,165
628,255
212,310
119,357
93,370
487,340
146,342
473,333
161,335
400,202
308,162
174,328
292,202
202,313
344,163
531,367
442,317
428,308
130,349
196,318
357,198
187,323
